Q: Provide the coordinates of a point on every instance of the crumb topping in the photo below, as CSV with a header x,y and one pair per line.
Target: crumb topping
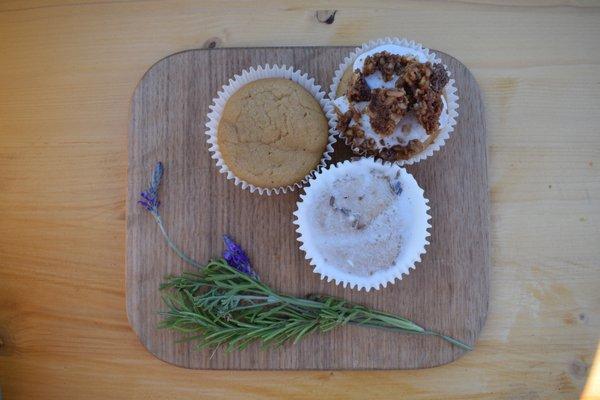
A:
x,y
386,109
358,90
439,79
345,120
387,63
418,89
427,108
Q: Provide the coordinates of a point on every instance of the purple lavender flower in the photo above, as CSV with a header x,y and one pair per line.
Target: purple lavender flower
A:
x,y
236,257
149,197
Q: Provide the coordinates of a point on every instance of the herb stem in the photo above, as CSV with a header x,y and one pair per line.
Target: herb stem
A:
x,y
172,245
301,302
450,339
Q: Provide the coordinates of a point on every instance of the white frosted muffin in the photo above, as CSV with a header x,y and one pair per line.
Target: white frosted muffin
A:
x,y
363,223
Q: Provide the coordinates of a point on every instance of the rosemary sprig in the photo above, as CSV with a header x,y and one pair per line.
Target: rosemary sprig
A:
x,y
221,306
223,303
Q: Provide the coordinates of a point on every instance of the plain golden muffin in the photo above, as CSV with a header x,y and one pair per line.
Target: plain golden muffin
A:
x,y
272,133
344,82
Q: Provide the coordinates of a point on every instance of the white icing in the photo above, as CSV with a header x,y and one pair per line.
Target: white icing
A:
x,y
390,48
375,81
369,233
342,104
363,198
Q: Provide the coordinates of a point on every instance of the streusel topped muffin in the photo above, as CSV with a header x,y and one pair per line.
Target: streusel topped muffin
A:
x,y
392,101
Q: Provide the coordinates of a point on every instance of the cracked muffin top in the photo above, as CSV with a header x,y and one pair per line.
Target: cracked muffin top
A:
x,y
272,133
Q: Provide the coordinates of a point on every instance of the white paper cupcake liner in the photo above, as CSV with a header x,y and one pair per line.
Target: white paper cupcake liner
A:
x,y
412,249
450,93
253,74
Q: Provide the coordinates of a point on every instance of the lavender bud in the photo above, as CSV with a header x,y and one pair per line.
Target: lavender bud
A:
x,y
236,257
149,197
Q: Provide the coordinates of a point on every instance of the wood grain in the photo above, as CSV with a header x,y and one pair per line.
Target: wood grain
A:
x,y
67,72
448,292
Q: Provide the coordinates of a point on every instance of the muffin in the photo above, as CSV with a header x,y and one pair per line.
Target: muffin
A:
x,y
269,129
394,100
363,223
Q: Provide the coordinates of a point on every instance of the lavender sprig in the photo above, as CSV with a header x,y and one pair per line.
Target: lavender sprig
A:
x,y
233,253
149,200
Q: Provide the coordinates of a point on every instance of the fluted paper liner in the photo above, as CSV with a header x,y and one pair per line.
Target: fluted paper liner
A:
x,y
250,75
410,253
450,94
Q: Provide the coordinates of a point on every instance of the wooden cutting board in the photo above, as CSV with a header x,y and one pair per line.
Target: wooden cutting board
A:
x,y
448,291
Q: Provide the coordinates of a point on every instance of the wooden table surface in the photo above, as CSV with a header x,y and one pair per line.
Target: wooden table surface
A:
x,y
67,72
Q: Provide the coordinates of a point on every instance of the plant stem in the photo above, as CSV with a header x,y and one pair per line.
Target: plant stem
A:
x,y
172,245
455,342
449,339
300,302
